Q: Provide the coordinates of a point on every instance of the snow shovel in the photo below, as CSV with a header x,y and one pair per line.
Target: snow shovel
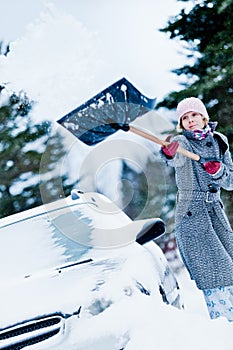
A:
x,y
111,110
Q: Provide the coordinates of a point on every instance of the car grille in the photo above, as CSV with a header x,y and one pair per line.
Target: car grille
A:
x,y
31,332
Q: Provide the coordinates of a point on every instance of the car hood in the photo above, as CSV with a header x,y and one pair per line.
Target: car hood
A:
x,y
65,289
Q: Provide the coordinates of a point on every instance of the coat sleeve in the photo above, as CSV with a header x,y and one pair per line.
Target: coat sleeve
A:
x,y
224,177
179,160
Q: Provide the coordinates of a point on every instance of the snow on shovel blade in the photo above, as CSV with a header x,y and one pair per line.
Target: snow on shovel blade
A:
x,y
110,110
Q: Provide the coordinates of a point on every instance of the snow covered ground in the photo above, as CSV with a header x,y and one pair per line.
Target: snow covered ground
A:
x,y
190,329
193,298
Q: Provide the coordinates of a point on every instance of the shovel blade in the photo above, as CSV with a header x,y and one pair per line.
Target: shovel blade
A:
x,y
97,119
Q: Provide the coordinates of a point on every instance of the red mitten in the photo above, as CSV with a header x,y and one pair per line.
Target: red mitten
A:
x,y
171,149
212,167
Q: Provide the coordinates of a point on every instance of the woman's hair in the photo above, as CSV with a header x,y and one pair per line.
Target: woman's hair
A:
x,y
180,127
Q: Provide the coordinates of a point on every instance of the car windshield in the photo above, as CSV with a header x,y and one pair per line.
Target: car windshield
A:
x,y
43,241
57,234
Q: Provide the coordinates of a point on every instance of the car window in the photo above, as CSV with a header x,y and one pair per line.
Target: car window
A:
x,y
61,232
43,241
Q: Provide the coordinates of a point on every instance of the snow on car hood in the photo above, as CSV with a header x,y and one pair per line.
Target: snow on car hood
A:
x,y
63,290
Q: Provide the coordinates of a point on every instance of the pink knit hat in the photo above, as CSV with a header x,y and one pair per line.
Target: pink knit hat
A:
x,y
191,104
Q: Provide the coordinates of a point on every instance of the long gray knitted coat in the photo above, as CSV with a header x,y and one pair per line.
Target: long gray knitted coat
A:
x,y
203,233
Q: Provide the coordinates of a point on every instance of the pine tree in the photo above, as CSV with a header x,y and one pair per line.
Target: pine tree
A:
x,y
206,32
22,144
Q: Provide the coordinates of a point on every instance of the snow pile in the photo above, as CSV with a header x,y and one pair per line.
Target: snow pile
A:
x,y
56,63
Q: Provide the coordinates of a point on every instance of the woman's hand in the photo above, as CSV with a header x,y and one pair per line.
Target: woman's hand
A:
x,y
171,149
212,167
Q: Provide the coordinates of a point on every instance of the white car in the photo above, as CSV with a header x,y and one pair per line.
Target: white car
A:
x,y
70,269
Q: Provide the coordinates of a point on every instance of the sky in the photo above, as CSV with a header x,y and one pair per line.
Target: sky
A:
x,y
127,36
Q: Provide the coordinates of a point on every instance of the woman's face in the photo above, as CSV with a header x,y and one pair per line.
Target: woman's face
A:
x,y
192,121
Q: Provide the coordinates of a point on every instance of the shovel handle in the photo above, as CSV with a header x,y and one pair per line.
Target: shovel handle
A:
x,y
155,139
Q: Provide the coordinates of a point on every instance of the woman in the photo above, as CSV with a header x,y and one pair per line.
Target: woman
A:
x,y
203,233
